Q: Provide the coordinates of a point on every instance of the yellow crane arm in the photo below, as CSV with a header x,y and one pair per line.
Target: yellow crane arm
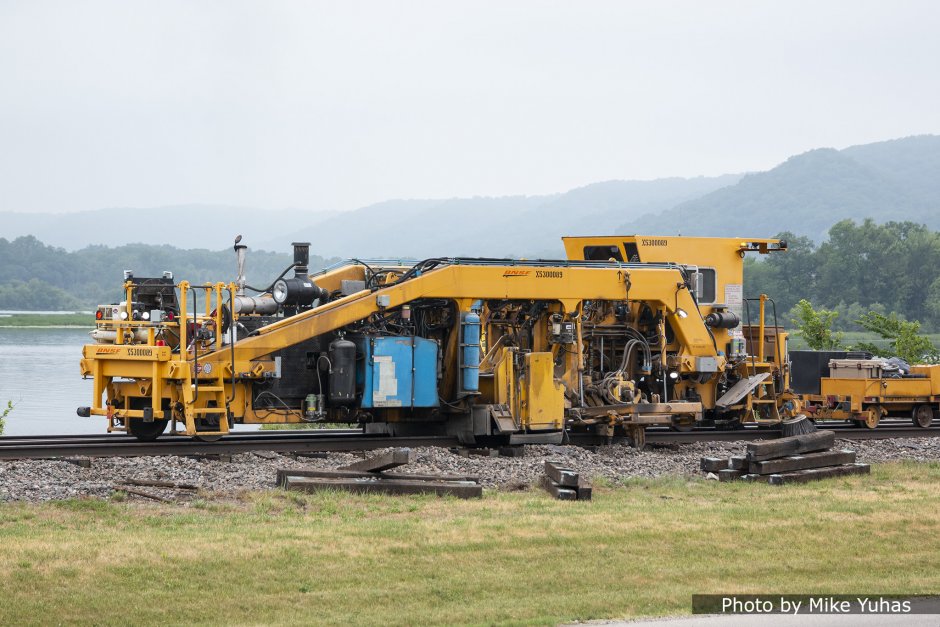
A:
x,y
661,287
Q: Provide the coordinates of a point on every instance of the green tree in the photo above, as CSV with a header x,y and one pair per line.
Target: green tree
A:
x,y
906,341
815,326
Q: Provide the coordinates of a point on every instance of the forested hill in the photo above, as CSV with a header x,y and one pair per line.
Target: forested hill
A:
x,y
859,268
34,276
893,180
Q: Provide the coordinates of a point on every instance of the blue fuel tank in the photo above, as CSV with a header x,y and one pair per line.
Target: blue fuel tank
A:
x,y
470,364
398,371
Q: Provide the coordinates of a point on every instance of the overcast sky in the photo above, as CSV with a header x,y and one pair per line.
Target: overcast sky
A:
x,y
334,105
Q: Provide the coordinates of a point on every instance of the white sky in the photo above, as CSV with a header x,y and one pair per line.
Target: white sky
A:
x,y
333,105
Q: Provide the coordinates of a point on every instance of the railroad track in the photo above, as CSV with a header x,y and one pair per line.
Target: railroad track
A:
x,y
119,445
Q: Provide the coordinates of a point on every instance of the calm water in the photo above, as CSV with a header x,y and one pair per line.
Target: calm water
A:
x,y
39,372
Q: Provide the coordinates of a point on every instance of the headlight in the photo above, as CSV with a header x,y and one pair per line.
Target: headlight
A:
x,y
145,315
280,292
123,315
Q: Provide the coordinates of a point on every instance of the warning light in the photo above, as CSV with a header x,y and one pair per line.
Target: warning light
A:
x,y
98,315
170,316
160,343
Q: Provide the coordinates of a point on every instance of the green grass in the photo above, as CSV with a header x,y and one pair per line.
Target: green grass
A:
x,y
48,320
519,558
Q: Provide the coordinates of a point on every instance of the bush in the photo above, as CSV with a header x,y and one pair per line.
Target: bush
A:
x,y
4,414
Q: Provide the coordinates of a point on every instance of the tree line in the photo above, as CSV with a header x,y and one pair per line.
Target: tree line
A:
x,y
34,276
860,269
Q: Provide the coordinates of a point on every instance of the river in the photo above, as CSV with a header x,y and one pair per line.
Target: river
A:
x,y
39,372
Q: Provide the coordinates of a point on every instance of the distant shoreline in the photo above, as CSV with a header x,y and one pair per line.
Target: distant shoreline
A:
x,y
47,321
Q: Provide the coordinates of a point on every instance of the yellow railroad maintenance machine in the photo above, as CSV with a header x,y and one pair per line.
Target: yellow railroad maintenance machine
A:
x,y
627,332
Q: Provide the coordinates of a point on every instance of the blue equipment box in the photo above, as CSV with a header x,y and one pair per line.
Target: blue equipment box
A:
x,y
397,371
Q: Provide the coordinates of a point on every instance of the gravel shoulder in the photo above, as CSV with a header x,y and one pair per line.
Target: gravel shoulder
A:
x,y
44,480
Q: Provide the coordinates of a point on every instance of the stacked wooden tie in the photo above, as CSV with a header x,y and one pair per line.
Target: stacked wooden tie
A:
x,y
565,484
797,459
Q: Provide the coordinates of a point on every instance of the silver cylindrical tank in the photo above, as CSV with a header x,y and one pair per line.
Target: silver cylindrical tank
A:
x,y
264,305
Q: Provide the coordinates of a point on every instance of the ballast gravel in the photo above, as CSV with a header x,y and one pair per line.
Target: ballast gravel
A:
x,y
44,480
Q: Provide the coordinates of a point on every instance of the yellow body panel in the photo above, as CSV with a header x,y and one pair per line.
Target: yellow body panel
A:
x,y
536,378
541,398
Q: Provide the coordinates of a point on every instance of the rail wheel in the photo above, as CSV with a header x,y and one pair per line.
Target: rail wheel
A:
x,y
923,416
870,417
147,431
141,429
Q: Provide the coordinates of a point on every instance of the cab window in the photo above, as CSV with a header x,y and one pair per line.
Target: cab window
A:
x,y
706,285
602,253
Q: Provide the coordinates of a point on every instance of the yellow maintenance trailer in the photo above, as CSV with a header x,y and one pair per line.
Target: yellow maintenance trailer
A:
x,y
864,390
483,349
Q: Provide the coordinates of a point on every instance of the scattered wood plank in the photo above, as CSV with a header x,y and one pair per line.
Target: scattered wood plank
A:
x,y
153,483
802,462
312,454
815,474
391,459
714,464
730,474
146,495
561,475
560,492
460,489
283,473
795,445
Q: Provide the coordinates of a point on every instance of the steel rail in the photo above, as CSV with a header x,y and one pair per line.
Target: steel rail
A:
x,y
120,445
123,446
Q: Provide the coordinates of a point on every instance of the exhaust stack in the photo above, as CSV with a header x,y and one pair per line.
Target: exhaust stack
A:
x,y
240,250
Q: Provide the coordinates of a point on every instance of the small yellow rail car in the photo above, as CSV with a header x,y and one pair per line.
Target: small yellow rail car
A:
x,y
838,386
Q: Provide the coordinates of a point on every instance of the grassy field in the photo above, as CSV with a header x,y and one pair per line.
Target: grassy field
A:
x,y
48,320
517,558
852,338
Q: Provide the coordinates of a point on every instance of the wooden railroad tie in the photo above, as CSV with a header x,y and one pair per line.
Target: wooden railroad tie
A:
x,y
796,459
369,475
794,445
565,484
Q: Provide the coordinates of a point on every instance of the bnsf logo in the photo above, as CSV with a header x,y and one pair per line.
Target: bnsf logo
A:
x,y
107,351
654,242
516,273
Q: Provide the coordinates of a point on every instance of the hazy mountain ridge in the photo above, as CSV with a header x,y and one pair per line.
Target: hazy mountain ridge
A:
x,y
184,226
496,227
806,194
893,180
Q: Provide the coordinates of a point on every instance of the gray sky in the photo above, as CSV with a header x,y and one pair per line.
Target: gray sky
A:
x,y
333,105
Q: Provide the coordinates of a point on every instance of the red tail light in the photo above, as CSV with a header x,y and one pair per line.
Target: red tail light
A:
x,y
160,343
98,315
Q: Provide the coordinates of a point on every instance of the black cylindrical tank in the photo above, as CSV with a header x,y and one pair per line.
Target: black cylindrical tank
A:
x,y
343,374
722,320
